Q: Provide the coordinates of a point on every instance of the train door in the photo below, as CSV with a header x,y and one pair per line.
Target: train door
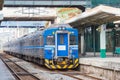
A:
x,y
62,44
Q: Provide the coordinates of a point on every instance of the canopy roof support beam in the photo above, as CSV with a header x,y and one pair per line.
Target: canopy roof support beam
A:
x,y
47,3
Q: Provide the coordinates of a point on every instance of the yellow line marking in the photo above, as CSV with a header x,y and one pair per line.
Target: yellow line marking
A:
x,y
65,66
76,60
63,62
53,67
76,65
50,61
46,61
58,66
70,66
47,66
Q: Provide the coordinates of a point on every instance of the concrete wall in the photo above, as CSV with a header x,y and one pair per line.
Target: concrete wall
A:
x,y
106,74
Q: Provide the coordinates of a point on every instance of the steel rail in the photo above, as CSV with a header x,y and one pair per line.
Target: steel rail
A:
x,y
13,72
73,74
25,70
82,74
16,74
90,76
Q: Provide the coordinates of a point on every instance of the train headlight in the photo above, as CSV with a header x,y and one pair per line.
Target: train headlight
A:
x,y
63,28
60,28
53,32
72,32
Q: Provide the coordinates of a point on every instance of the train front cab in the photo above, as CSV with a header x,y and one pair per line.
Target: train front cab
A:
x,y
63,53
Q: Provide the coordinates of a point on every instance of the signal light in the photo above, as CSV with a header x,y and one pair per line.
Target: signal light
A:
x,y
61,28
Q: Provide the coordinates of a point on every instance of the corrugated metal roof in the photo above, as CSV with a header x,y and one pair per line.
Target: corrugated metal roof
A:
x,y
28,14
96,16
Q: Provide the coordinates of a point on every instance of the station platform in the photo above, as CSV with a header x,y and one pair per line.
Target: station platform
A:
x,y
108,63
4,72
101,67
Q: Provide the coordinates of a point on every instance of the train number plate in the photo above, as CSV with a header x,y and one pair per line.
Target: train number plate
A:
x,y
62,47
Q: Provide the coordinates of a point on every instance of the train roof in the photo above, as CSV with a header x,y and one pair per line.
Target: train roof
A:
x,y
59,25
33,34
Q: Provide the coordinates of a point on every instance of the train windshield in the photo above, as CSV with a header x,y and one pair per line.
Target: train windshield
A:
x,y
73,40
61,39
50,40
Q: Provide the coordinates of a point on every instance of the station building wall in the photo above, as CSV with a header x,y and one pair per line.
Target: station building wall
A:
x,y
93,40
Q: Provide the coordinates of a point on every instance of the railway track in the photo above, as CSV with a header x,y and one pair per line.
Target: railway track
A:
x,y
76,75
21,74
18,72
81,76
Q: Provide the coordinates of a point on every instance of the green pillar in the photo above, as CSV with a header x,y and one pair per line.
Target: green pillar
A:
x,y
103,41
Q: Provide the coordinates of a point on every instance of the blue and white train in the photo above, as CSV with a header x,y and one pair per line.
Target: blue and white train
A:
x,y
55,47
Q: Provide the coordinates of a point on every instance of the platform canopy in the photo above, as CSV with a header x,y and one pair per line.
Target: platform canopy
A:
x,y
96,16
28,14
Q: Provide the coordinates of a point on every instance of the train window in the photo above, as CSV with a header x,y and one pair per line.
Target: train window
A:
x,y
61,39
41,40
50,40
73,40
